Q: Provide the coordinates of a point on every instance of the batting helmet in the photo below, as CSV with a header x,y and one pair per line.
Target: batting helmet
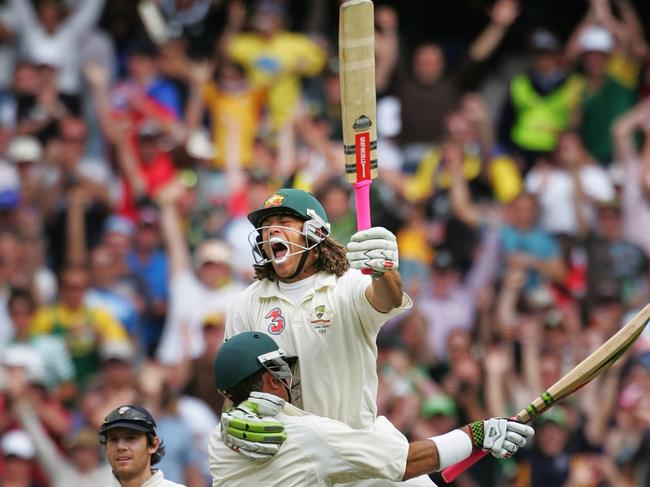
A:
x,y
289,201
246,354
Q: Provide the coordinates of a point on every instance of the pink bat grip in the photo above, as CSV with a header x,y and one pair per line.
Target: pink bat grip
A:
x,y
362,195
450,473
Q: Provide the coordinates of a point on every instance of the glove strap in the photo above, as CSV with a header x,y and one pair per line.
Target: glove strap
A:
x,y
477,432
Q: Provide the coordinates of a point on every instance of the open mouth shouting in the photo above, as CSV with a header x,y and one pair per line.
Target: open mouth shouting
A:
x,y
279,249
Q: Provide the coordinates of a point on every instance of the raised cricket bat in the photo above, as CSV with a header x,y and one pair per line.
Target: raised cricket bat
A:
x,y
358,101
591,367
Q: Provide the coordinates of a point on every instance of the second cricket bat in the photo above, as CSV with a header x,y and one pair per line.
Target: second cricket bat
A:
x,y
358,100
591,367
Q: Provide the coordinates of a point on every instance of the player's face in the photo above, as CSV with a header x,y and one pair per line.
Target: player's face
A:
x,y
284,242
128,452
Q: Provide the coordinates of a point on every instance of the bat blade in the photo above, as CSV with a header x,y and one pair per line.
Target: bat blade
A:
x,y
358,100
591,367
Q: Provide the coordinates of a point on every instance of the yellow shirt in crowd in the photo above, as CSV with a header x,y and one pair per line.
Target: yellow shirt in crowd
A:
x,y
61,320
278,63
241,109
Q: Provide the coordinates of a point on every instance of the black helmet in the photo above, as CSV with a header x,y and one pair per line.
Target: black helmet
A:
x,y
129,416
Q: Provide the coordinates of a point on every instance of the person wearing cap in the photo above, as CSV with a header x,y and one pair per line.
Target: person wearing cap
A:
x,y
540,102
133,448
609,50
199,286
18,453
26,153
252,371
606,97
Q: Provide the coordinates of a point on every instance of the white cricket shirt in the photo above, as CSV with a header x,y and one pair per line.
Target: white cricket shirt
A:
x,y
332,330
318,452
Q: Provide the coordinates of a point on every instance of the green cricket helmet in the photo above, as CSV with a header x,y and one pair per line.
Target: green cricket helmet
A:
x,y
297,203
246,354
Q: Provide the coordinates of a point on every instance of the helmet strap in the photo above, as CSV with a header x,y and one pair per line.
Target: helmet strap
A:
x,y
301,264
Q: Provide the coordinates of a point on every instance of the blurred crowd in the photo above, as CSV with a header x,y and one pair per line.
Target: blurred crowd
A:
x,y
514,169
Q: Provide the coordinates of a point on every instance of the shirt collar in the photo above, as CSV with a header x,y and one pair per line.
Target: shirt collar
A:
x,y
270,289
156,478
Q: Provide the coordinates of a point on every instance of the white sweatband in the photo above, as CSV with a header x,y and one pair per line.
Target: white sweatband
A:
x,y
453,447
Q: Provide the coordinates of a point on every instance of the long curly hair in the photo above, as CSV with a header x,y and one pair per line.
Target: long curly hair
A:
x,y
331,259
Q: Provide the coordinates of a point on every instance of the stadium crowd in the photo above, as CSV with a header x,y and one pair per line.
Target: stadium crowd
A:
x,y
514,157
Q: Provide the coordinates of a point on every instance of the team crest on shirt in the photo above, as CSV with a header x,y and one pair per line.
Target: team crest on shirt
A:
x,y
274,200
321,318
278,323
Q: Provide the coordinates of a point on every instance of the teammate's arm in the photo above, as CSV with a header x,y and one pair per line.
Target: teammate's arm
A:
x,y
500,436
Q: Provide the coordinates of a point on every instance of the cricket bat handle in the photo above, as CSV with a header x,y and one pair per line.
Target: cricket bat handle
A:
x,y
450,473
362,195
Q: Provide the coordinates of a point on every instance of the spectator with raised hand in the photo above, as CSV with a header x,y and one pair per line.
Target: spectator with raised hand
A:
x,y
569,187
431,89
80,465
636,165
386,46
231,100
523,244
541,102
274,58
200,285
50,30
607,94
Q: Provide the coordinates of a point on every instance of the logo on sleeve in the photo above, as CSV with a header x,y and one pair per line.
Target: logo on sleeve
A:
x,y
278,322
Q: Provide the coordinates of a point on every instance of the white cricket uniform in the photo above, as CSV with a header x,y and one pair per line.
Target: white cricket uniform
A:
x,y
333,331
156,480
318,452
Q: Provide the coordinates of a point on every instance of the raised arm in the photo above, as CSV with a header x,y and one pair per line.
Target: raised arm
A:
x,y
76,248
179,255
626,125
502,15
25,15
386,46
198,74
83,18
98,79
461,202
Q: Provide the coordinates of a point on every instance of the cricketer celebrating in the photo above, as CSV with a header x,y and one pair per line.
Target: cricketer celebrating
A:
x,y
319,310
321,451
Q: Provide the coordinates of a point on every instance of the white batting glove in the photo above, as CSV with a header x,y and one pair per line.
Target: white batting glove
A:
x,y
251,428
374,248
500,436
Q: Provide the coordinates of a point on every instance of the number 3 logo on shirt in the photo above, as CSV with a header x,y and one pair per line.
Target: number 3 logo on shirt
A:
x,y
277,321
